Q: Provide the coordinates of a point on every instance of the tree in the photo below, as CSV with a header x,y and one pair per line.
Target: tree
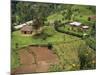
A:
x,y
37,23
68,13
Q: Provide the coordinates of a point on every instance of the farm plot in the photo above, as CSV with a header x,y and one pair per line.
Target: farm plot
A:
x,y
25,57
35,59
44,54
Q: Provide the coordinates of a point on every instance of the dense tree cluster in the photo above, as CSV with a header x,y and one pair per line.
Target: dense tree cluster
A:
x,y
25,11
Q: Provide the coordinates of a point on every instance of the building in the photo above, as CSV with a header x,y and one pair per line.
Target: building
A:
x,y
21,25
85,27
75,24
27,29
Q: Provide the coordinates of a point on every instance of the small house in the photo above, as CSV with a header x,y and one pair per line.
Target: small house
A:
x,y
27,29
75,24
21,25
85,27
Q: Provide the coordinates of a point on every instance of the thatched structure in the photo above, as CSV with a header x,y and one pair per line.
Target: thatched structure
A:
x,y
27,29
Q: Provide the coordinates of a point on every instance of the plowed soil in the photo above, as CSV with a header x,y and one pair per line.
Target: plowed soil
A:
x,y
35,59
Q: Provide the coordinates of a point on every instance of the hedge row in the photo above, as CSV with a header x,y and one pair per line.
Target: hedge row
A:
x,y
69,32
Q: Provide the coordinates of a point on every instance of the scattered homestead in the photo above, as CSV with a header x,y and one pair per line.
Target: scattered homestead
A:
x,y
78,24
26,29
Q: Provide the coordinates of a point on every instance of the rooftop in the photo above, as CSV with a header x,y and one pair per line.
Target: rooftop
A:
x,y
21,25
26,28
75,23
85,27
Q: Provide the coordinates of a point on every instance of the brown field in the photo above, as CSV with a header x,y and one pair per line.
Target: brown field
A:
x,y
35,59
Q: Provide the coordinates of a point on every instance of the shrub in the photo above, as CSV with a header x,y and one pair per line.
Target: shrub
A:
x,y
91,42
70,32
49,31
50,46
55,68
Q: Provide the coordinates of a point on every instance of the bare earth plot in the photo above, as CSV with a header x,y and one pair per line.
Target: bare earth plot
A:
x,y
35,59
43,54
25,57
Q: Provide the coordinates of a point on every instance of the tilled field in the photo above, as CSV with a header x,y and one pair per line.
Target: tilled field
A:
x,y
35,59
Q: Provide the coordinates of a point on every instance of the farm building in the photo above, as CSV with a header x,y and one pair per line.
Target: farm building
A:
x,y
21,25
75,23
85,27
27,29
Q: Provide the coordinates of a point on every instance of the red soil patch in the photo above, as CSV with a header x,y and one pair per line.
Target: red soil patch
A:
x,y
25,69
42,67
25,57
41,56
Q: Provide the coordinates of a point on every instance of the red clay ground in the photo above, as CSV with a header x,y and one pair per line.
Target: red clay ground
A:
x,y
43,54
25,57
35,59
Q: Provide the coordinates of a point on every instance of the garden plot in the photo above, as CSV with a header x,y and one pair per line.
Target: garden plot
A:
x,y
24,69
43,54
35,59
25,57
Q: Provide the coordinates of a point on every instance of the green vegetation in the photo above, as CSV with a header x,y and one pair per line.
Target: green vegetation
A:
x,y
15,59
75,51
55,68
91,42
20,39
68,55
52,37
90,58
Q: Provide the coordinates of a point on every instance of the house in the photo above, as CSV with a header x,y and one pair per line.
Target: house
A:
x,y
21,25
26,29
75,23
85,27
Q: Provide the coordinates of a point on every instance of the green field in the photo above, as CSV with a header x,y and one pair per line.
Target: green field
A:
x,y
15,59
